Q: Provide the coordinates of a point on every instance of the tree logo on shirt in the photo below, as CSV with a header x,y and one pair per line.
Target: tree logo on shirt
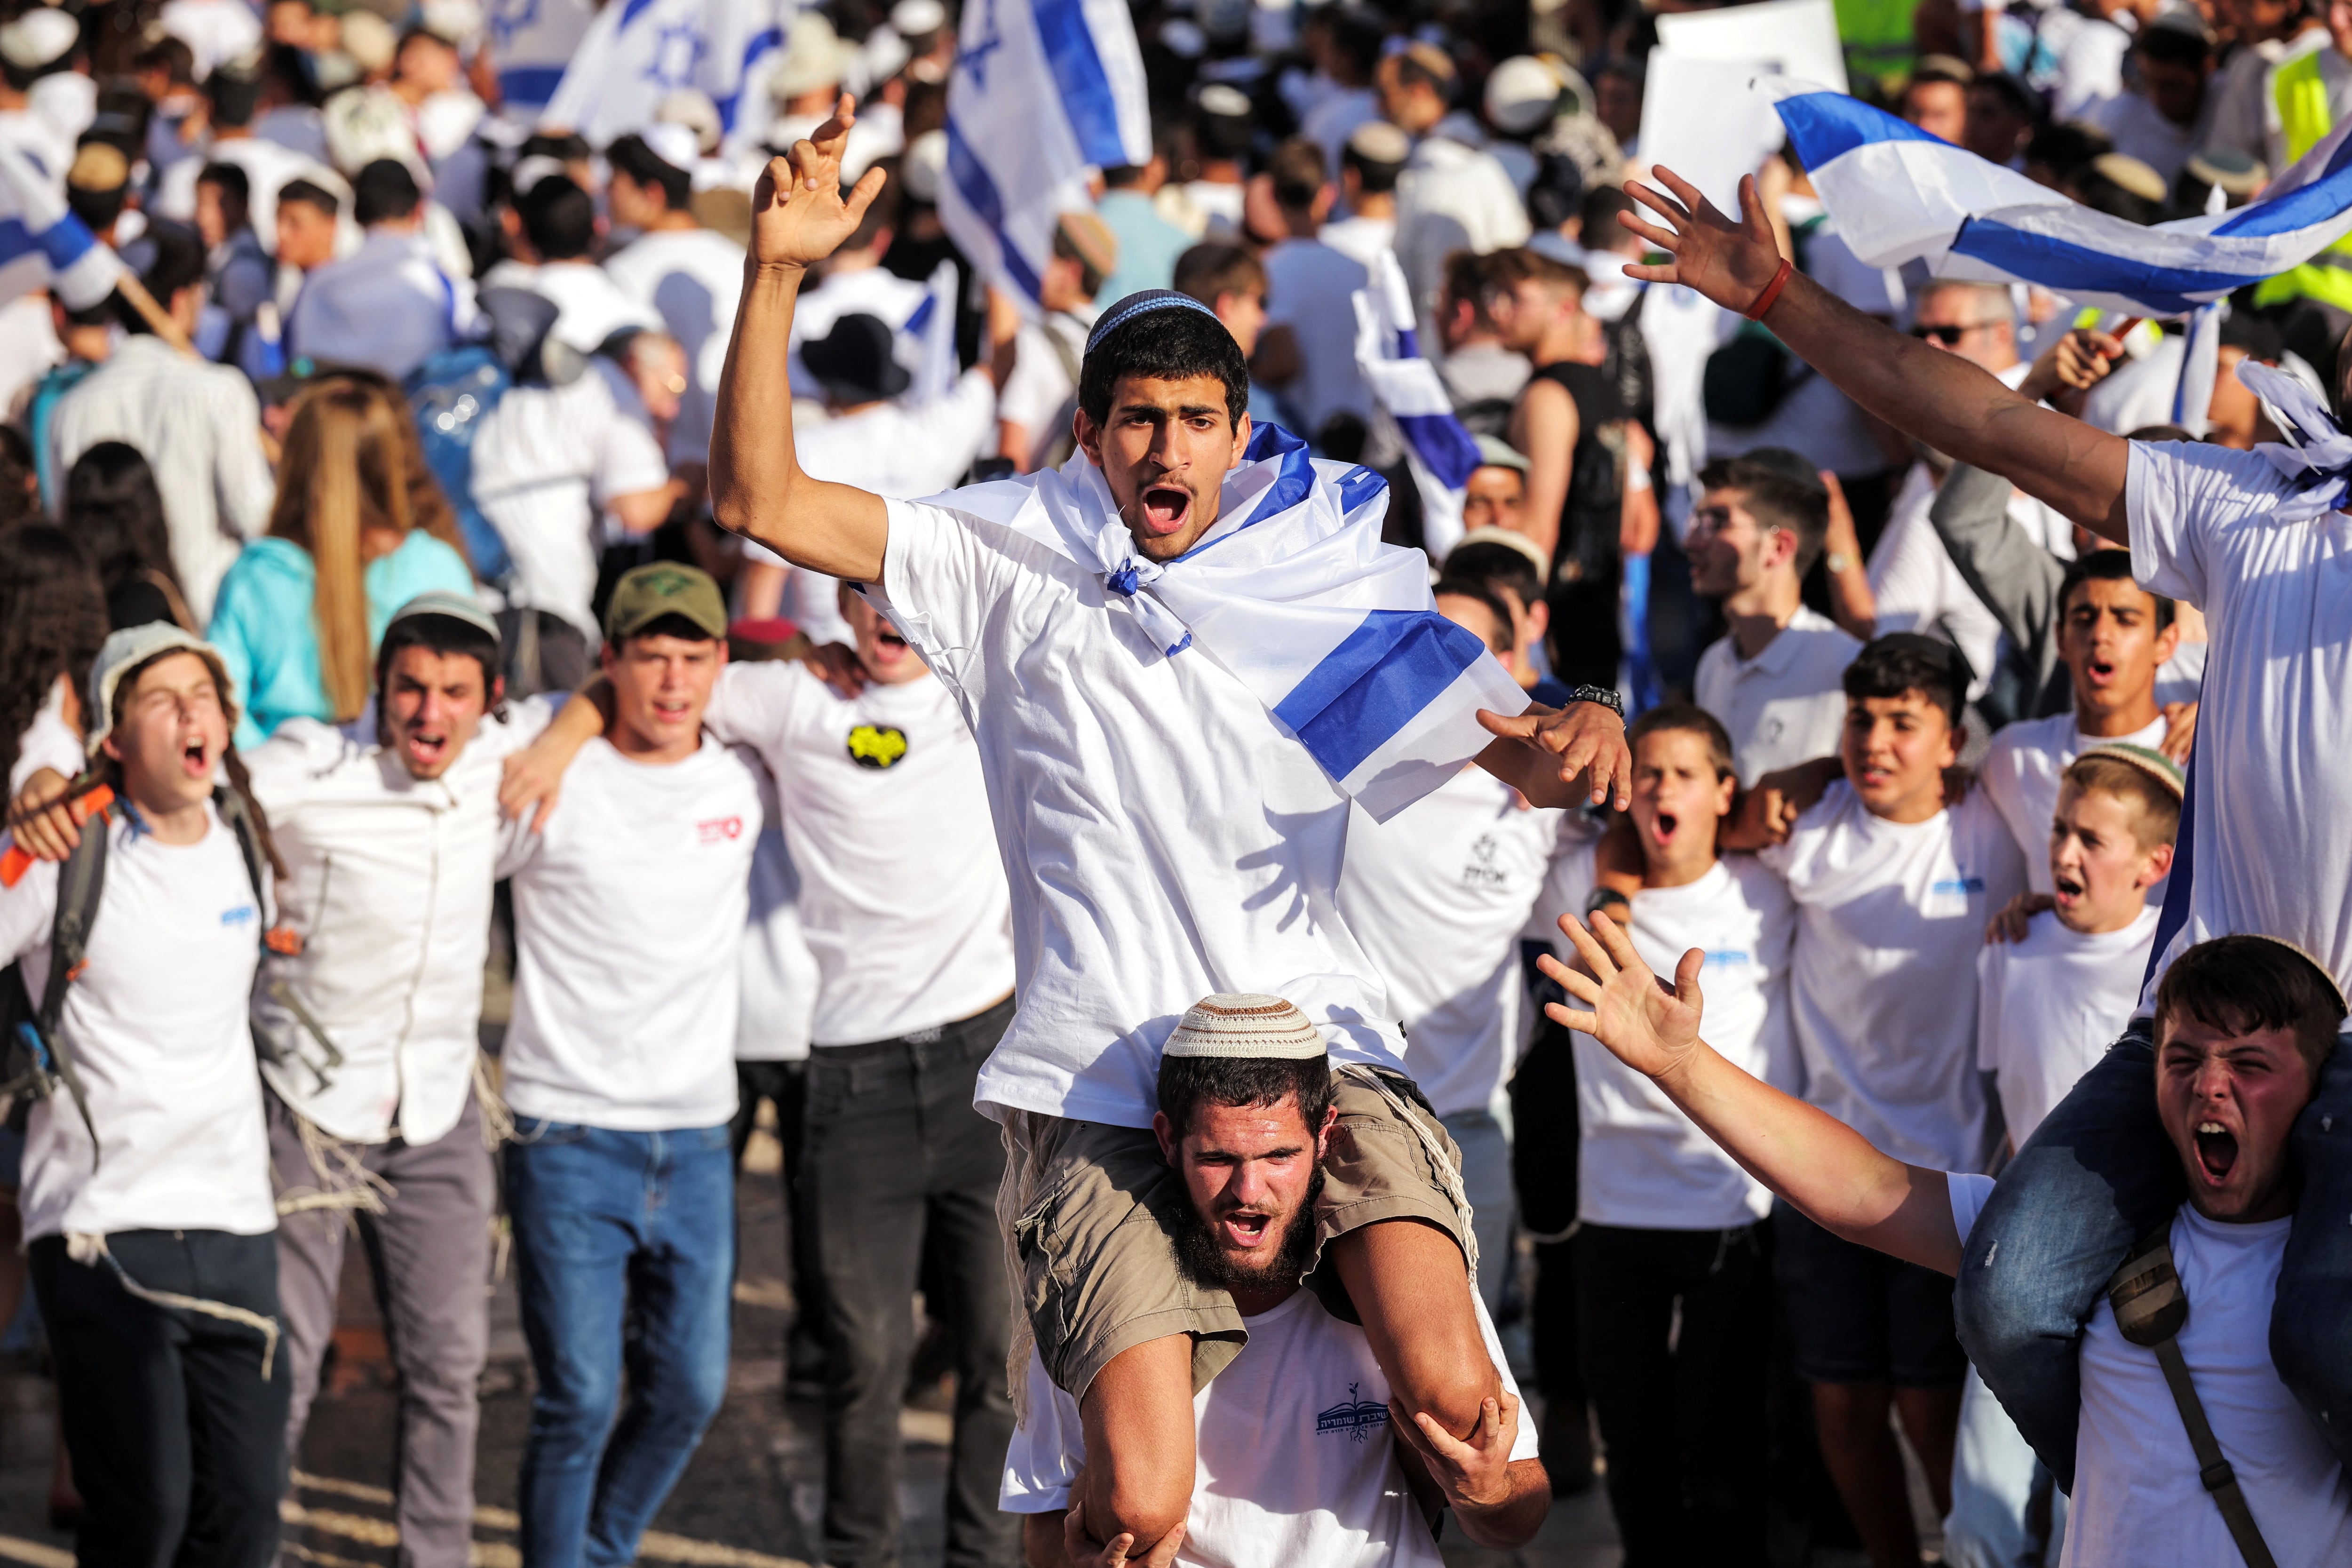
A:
x,y
1357,1419
876,745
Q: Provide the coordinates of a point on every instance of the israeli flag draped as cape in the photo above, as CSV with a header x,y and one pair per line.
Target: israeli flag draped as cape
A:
x,y
1041,91
43,245
1899,195
1293,592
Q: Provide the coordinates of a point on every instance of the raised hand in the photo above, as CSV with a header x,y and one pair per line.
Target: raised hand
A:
x,y
1729,263
1580,738
1649,1025
800,214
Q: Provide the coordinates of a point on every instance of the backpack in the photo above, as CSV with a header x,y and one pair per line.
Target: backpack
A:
x,y
38,1055
452,390
1748,379
448,395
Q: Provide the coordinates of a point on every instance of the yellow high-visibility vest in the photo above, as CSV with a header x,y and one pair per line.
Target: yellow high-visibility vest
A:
x,y
2300,91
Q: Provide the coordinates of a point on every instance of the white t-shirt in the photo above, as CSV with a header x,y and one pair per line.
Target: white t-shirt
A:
x,y
547,459
692,278
629,916
1293,1454
1311,288
1041,386
591,306
1642,1163
2021,774
1890,916
2137,1499
902,897
156,1024
1439,896
49,742
2273,801
2048,1008
1785,706
1162,837
1361,238
779,973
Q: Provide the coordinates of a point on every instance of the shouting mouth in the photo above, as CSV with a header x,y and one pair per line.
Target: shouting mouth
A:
x,y
1164,509
2217,1152
2068,889
195,759
1243,1230
1662,829
2100,671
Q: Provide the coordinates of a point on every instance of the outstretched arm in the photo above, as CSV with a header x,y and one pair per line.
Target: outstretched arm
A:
x,y
1936,397
799,215
1807,1156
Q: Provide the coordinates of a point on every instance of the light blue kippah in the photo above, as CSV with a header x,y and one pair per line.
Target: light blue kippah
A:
x,y
1140,303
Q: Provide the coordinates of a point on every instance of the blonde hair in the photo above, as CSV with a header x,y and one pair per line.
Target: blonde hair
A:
x,y
345,471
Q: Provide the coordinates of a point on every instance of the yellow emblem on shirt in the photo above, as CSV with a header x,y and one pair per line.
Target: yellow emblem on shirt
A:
x,y
876,745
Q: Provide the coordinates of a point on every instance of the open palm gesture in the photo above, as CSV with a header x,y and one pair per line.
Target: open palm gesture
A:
x,y
800,214
1649,1025
1728,262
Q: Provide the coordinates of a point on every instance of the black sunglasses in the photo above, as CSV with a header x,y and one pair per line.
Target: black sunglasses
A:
x,y
1948,336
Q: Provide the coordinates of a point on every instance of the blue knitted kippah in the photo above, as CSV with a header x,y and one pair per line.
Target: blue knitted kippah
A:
x,y
1139,303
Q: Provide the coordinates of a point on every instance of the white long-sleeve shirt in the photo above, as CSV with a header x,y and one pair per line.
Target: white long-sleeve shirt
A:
x,y
390,891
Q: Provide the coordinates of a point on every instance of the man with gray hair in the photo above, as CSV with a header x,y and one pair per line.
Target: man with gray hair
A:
x,y
1302,1456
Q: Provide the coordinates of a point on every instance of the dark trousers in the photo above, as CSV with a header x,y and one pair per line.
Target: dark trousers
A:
x,y
785,1085
895,1148
1682,1408
178,1440
2098,1173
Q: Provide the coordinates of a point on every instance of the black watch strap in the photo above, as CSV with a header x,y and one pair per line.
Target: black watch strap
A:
x,y
1605,695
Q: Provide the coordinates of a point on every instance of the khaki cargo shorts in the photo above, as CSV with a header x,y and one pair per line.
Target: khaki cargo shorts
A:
x,y
1087,1212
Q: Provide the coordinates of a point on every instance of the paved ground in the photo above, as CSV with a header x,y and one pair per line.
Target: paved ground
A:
x,y
748,1500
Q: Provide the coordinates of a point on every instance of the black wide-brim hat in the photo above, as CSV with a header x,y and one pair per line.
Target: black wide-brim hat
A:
x,y
854,360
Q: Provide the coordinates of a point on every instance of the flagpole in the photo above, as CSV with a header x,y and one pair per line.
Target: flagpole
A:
x,y
154,314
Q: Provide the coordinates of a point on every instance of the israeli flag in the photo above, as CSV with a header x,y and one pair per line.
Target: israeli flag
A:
x,y
1041,91
531,42
1294,592
638,52
1440,451
43,245
1899,195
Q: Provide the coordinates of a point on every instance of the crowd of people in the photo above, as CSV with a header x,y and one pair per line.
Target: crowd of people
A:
x,y
479,521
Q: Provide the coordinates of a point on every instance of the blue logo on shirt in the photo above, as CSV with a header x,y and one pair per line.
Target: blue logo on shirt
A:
x,y
1357,1419
244,914
1962,886
1727,957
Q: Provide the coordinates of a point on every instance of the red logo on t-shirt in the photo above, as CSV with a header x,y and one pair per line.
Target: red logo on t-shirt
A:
x,y
718,830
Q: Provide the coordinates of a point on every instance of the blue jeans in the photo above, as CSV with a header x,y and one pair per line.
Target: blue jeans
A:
x,y
626,1246
2096,1175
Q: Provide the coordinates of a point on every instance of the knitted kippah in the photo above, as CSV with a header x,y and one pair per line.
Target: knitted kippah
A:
x,y
2147,759
1142,303
1244,1026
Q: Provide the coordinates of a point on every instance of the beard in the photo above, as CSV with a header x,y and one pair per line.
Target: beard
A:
x,y
1210,1266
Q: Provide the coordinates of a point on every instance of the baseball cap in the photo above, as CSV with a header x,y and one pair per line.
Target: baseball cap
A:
x,y
665,588
1494,452
442,602
1244,1024
125,652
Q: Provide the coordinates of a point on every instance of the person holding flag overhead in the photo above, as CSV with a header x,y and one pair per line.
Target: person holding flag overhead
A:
x,y
1173,818
2256,540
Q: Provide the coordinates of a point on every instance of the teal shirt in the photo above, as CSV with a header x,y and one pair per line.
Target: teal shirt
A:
x,y
268,631
1149,246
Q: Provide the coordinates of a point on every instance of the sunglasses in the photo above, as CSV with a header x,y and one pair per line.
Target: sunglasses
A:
x,y
1949,336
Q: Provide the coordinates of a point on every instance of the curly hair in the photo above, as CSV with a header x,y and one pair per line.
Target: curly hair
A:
x,y
52,620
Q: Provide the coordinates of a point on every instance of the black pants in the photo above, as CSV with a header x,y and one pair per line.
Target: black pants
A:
x,y
786,1084
178,1441
1681,1407
894,1151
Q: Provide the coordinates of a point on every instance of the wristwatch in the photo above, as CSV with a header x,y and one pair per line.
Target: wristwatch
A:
x,y
1605,695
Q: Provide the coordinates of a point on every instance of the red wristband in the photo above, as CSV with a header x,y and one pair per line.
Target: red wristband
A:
x,y
1771,290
